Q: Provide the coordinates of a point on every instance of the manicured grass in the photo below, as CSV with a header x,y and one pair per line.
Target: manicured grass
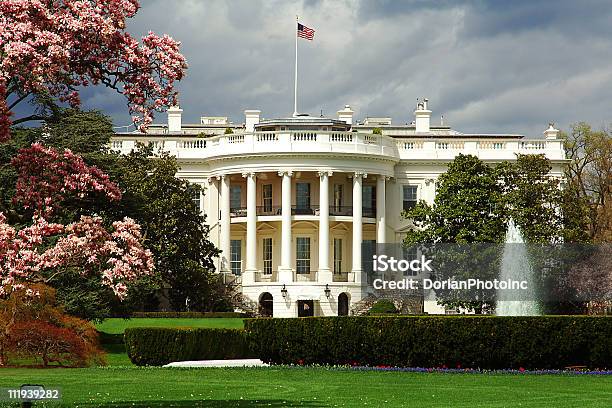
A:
x,y
118,325
116,356
311,387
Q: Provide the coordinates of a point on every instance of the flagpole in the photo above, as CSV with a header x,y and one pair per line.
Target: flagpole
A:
x,y
295,112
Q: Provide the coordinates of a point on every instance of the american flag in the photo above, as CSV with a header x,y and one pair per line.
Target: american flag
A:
x,y
305,32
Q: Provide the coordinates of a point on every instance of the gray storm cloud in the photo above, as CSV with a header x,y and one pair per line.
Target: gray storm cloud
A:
x,y
488,67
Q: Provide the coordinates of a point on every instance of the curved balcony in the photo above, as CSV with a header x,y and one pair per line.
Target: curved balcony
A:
x,y
275,210
263,143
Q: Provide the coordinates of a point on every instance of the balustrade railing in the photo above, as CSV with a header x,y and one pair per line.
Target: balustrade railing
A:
x,y
269,210
343,137
304,136
235,139
491,145
192,144
533,145
266,137
305,210
341,210
341,276
454,145
238,212
279,141
410,144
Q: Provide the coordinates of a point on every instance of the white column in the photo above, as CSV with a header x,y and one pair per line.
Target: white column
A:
x,y
285,273
381,223
211,210
357,225
251,236
325,274
225,223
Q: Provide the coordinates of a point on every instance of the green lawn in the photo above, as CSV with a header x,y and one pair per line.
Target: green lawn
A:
x,y
118,325
311,387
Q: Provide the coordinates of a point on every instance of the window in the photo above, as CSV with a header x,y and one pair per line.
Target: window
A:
x,y
302,196
196,200
267,197
337,255
368,249
410,197
236,256
235,197
338,196
409,253
368,194
302,255
267,256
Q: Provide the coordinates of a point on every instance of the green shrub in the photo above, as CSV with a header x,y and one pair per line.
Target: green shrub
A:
x,y
158,346
408,341
383,306
188,315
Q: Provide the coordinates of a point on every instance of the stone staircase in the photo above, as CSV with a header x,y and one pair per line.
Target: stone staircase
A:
x,y
404,302
243,304
361,308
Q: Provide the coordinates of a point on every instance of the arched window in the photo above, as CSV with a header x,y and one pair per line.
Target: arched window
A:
x,y
266,308
343,304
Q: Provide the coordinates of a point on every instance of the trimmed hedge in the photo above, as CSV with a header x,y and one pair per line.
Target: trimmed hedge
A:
x,y
540,342
160,345
188,315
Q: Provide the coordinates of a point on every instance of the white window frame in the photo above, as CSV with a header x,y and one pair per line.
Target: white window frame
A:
x,y
303,261
416,195
267,260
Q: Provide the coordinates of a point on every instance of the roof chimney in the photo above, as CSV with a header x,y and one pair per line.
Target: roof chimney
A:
x,y
551,133
174,119
422,116
251,119
346,114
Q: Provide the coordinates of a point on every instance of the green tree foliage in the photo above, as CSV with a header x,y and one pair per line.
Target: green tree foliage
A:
x,y
474,202
468,206
173,227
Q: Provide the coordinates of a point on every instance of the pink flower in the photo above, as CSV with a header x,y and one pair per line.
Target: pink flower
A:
x,y
118,256
57,47
45,176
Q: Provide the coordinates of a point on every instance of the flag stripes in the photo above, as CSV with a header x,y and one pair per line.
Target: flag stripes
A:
x,y
305,32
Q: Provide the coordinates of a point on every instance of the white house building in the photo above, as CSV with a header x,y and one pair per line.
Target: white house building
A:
x,y
291,201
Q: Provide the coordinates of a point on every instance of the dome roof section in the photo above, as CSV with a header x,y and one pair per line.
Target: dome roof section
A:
x,y
302,122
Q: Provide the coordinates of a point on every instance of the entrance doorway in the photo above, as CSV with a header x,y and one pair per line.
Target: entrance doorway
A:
x,y
343,304
305,308
266,302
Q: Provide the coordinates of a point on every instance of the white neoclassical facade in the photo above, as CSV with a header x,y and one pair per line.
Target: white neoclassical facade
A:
x,y
291,201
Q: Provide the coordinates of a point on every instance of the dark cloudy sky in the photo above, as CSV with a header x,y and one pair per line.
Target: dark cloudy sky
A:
x,y
499,66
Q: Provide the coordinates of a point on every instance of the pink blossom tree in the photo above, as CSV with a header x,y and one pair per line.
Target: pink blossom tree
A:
x,y
28,255
40,252
51,48
47,177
